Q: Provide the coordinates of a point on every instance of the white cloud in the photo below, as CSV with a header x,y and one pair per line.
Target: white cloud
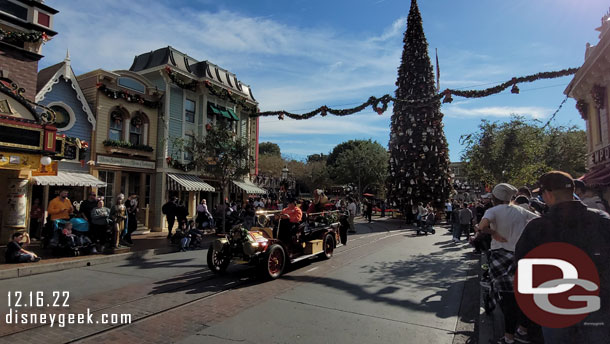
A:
x,y
533,112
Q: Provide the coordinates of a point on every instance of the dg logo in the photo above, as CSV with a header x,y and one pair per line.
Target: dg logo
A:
x,y
557,285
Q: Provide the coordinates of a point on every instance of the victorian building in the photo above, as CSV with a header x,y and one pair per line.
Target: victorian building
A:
x,y
126,108
27,133
198,95
59,90
589,88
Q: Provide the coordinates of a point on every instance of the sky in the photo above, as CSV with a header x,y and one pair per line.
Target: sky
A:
x,y
298,55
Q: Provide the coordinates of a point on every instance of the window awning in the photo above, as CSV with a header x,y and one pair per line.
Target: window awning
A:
x,y
214,109
232,113
70,179
187,182
249,188
597,177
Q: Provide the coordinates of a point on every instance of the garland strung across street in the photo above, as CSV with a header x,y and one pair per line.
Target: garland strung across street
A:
x,y
216,91
380,105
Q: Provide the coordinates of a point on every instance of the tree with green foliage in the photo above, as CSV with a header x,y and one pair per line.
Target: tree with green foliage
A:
x,y
419,157
223,156
362,162
269,148
518,151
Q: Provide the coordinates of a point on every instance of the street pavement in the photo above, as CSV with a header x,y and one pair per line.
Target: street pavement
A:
x,y
387,285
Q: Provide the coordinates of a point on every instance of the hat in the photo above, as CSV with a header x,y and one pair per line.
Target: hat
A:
x,y
504,192
579,184
556,180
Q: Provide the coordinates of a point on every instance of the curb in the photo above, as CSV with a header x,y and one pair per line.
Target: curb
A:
x,y
30,270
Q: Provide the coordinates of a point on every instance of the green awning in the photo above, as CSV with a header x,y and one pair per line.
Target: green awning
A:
x,y
214,109
226,114
232,113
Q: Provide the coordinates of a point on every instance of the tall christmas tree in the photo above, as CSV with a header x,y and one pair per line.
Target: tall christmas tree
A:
x,y
419,157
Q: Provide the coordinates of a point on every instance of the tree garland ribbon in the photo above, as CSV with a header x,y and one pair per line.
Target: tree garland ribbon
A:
x,y
130,98
446,95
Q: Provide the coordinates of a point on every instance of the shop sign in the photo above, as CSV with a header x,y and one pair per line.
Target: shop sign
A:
x,y
17,203
600,155
50,170
114,161
19,161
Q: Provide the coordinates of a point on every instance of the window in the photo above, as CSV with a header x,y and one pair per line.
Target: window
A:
x,y
189,111
108,178
188,144
64,118
116,126
44,19
135,132
131,84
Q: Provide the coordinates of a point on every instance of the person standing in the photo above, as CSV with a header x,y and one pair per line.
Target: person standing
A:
x,y
132,218
118,214
506,222
465,218
448,211
382,206
421,214
368,210
87,205
60,207
169,210
36,219
351,208
571,221
100,221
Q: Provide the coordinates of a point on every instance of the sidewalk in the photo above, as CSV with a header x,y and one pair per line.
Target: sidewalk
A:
x,y
145,245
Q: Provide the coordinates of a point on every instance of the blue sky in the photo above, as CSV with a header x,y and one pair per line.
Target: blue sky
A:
x,y
298,55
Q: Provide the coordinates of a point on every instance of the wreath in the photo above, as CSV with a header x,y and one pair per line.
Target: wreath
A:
x,y
116,117
137,121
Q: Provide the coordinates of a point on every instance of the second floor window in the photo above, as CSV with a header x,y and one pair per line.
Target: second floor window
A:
x,y
135,134
116,127
189,111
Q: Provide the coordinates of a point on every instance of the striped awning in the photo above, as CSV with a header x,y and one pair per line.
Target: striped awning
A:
x,y
70,179
232,113
249,188
187,182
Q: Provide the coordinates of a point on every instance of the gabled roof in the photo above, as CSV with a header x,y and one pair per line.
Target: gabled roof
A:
x,y
198,70
50,76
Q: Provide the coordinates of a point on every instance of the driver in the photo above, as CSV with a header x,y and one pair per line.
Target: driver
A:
x,y
293,214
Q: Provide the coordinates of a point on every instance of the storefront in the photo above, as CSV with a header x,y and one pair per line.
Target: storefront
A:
x,y
240,191
128,177
190,190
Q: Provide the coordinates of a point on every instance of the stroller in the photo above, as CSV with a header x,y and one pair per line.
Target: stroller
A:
x,y
61,245
428,225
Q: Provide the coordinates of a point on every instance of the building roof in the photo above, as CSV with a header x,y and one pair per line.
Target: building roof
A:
x,y
50,76
188,66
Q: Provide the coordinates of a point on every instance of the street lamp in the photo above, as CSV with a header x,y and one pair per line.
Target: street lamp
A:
x,y
285,173
284,185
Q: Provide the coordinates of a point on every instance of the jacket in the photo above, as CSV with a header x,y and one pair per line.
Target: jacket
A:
x,y
588,229
59,209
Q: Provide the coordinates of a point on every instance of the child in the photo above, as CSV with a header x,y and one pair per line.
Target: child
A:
x,y
67,232
186,237
195,235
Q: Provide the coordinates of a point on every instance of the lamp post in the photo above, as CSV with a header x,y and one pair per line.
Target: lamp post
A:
x,y
284,185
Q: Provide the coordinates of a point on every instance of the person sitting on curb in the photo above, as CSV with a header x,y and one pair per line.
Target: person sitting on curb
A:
x,y
16,254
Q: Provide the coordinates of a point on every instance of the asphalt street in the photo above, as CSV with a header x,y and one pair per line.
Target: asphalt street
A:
x,y
387,285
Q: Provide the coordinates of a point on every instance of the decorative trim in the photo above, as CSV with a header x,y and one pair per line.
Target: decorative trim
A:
x,y
583,108
70,112
75,86
598,93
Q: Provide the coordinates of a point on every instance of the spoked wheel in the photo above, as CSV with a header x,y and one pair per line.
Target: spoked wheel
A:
x,y
329,246
274,263
217,262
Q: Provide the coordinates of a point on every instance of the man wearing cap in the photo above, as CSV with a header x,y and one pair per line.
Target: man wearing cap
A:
x,y
505,222
570,221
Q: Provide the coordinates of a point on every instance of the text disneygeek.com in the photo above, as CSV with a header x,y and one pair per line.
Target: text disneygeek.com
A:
x,y
20,304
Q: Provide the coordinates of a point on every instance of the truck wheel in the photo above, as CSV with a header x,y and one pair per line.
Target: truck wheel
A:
x,y
216,261
329,247
274,263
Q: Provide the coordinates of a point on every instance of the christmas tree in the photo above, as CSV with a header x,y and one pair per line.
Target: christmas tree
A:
x,y
418,148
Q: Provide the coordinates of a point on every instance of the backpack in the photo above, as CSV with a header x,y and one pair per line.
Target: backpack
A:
x,y
164,208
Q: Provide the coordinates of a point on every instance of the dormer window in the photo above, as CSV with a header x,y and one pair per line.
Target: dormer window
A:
x,y
131,84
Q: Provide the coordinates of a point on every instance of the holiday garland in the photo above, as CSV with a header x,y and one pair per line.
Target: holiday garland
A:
x,y
20,37
128,145
216,91
380,105
598,93
582,108
130,98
